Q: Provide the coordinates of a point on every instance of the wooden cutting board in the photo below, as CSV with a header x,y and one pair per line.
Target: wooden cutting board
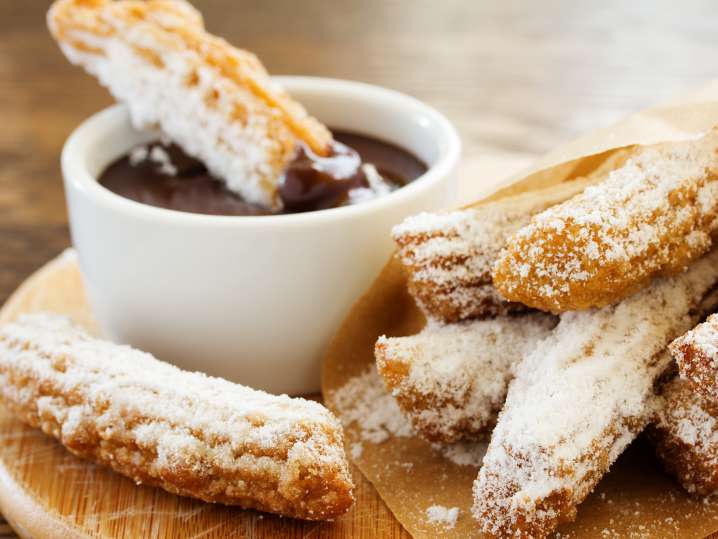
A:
x,y
45,492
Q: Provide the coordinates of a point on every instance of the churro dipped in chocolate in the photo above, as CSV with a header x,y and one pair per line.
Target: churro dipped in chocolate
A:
x,y
216,101
451,380
579,399
652,216
696,353
685,435
188,433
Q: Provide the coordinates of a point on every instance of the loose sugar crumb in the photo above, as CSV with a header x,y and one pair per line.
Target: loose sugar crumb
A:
x,y
357,450
365,402
463,453
438,514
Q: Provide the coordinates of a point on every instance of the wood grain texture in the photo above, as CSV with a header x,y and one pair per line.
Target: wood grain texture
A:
x,y
517,78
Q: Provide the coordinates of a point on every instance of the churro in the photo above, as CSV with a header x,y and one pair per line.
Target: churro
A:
x,y
217,102
451,380
449,256
579,399
696,354
652,216
188,433
685,435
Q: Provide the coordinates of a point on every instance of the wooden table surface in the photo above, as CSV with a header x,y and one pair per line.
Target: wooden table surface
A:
x,y
517,78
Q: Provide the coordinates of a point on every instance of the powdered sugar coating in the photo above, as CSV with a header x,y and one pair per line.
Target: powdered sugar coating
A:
x,y
186,432
449,256
215,101
686,437
451,380
696,353
438,514
653,215
579,399
364,401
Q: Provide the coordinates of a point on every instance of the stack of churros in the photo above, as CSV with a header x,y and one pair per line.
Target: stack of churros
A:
x,y
449,257
579,399
625,257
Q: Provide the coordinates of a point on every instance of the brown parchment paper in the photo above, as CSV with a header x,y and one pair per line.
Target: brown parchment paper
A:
x,y
635,499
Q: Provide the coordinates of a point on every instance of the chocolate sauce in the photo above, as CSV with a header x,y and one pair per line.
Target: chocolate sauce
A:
x,y
166,177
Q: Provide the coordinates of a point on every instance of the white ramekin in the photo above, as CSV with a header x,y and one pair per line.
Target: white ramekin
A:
x,y
251,299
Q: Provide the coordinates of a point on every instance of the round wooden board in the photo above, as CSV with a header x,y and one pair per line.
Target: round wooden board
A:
x,y
47,492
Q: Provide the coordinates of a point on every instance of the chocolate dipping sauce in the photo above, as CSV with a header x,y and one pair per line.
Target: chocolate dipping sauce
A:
x,y
166,177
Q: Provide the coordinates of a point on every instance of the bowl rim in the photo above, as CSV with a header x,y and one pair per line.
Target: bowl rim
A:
x,y
76,174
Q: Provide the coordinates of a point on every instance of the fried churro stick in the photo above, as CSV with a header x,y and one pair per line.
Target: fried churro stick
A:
x,y
451,380
696,353
685,436
187,433
579,399
652,216
217,102
449,257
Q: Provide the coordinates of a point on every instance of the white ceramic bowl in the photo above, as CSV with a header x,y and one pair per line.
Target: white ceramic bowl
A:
x,y
252,299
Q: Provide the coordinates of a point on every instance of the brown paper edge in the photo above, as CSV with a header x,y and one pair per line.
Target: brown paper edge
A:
x,y
635,497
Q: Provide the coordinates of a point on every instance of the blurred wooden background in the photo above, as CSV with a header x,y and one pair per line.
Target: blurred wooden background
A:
x,y
517,78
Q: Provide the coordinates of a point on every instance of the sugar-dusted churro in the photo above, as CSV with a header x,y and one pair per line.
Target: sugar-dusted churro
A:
x,y
696,353
214,100
652,216
449,256
451,380
685,435
188,433
579,399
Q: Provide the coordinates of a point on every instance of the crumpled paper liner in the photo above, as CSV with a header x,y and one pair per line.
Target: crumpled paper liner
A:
x,y
636,499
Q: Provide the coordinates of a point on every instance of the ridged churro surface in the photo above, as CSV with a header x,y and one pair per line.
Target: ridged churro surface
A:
x,y
449,256
696,353
685,436
451,380
214,100
188,433
579,399
654,215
